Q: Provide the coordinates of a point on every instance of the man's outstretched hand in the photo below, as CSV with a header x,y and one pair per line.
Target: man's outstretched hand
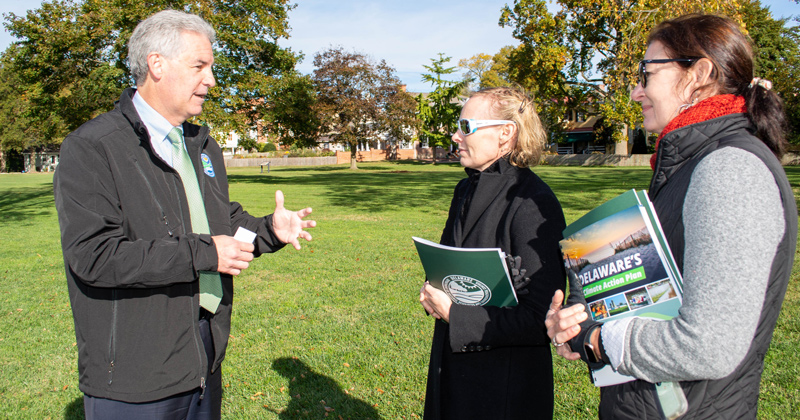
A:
x,y
288,225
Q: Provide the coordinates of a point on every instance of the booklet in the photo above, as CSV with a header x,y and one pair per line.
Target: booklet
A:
x,y
619,256
470,276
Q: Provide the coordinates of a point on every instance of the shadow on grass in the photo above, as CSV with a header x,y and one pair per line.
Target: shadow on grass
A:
x,y
407,185
362,166
20,204
74,411
386,189
317,396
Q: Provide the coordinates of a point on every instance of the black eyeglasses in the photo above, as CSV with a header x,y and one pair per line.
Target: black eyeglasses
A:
x,y
643,72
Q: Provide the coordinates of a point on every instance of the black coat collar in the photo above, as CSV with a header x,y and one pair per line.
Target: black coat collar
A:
x,y
487,186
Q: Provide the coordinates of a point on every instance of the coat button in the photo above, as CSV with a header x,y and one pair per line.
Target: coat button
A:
x,y
488,348
463,349
480,348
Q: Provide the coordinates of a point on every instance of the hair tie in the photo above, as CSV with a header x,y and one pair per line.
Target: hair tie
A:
x,y
764,83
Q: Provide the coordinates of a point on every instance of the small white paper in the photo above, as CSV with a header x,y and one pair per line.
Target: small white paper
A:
x,y
244,235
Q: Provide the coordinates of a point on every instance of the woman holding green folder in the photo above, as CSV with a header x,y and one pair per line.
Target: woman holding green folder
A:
x,y
494,362
729,216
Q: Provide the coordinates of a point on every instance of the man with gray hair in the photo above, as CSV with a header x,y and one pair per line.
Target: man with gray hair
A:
x,y
147,235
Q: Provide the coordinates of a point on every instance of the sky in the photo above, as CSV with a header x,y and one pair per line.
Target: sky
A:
x,y
407,34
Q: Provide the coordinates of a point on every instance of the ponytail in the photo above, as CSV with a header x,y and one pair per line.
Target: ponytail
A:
x,y
765,110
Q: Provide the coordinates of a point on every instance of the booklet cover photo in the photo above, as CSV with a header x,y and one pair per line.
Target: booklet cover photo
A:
x,y
618,265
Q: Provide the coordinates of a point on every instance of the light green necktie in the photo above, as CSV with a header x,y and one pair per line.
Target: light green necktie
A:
x,y
210,282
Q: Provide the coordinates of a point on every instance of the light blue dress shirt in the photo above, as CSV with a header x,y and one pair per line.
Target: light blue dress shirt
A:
x,y
157,126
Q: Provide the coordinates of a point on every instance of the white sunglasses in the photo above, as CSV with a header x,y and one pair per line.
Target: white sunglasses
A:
x,y
469,126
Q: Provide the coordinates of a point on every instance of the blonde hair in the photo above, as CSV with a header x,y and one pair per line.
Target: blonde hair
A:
x,y
513,104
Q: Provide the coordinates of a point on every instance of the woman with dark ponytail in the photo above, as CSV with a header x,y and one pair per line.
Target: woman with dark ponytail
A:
x,y
729,215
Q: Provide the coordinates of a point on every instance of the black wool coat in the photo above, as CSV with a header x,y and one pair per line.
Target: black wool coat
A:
x,y
490,362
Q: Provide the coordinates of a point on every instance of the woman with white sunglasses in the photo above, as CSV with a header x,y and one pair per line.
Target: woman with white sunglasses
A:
x,y
490,362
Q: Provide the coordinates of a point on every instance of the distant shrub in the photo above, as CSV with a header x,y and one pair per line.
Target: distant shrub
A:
x,y
266,147
304,152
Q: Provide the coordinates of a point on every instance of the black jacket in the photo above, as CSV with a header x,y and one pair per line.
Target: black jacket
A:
x,y
131,262
735,396
489,362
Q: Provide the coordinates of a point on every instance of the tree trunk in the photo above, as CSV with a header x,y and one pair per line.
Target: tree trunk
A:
x,y
353,156
621,148
433,154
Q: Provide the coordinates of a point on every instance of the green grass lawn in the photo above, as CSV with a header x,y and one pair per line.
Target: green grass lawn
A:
x,y
334,330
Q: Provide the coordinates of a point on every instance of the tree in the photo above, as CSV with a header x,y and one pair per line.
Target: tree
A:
x,y
483,71
291,104
474,69
356,97
248,144
71,59
16,133
63,66
590,49
402,107
439,111
498,75
777,56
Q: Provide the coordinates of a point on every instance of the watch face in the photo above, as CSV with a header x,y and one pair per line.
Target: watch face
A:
x,y
589,349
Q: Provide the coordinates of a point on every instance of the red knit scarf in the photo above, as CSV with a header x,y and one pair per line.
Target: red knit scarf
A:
x,y
707,109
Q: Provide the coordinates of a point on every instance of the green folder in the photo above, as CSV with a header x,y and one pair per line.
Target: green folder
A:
x,y
469,276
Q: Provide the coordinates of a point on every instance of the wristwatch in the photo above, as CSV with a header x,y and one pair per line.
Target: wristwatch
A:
x,y
589,350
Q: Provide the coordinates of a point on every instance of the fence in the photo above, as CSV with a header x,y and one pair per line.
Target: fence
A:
x,y
284,161
596,159
377,155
